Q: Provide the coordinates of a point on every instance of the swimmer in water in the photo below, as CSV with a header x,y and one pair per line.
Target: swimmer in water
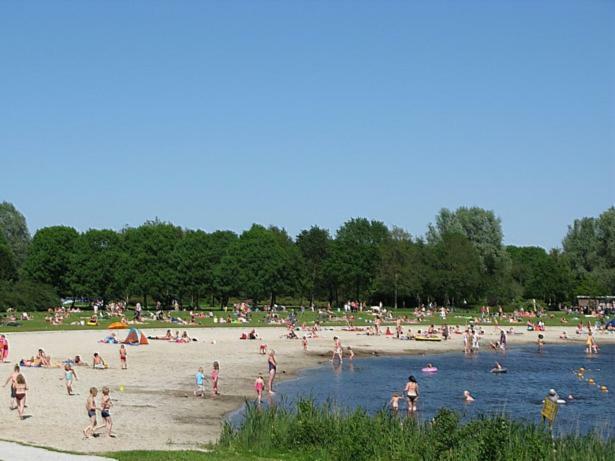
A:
x,y
497,368
467,396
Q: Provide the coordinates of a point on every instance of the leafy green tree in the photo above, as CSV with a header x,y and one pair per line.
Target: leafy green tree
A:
x,y
148,266
484,230
15,230
94,264
589,245
457,269
261,264
356,255
50,255
8,268
315,246
400,267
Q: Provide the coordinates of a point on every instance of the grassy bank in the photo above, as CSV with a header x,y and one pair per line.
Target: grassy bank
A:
x,y
257,320
323,433
313,432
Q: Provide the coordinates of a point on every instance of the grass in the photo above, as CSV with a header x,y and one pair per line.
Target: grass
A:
x,y
324,433
459,317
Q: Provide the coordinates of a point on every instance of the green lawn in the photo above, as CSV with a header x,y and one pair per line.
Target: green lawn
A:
x,y
459,317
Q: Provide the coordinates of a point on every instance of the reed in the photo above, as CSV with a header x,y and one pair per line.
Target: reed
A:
x,y
310,431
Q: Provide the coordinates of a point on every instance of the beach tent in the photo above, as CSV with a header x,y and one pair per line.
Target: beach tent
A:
x,y
135,337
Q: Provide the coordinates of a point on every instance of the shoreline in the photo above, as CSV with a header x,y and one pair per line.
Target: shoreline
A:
x,y
156,410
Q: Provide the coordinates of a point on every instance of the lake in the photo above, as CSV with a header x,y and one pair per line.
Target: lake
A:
x,y
370,382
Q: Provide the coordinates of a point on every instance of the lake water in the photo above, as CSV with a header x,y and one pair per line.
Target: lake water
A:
x,y
370,382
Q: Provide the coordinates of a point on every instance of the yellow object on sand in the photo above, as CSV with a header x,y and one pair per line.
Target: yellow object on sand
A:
x,y
121,388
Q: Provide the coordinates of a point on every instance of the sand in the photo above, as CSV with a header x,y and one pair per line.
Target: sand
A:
x,y
156,410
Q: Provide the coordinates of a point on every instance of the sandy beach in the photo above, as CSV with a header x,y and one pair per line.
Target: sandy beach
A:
x,y
156,409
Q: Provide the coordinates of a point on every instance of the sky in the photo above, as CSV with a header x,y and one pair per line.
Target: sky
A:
x,y
216,115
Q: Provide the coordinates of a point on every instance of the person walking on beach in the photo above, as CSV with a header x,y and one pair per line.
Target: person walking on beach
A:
x,y
412,393
273,368
21,387
105,408
69,376
90,406
12,379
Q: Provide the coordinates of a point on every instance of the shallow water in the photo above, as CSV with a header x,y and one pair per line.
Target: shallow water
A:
x,y
370,382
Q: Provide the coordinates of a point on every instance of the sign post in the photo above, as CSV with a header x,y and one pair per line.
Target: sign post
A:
x,y
549,411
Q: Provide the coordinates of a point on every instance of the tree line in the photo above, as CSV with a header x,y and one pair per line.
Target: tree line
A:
x,y
460,260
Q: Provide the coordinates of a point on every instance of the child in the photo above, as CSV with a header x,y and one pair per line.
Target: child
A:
x,y
262,349
395,402
214,378
69,375
123,357
90,406
13,380
259,385
305,343
350,353
20,394
200,383
105,406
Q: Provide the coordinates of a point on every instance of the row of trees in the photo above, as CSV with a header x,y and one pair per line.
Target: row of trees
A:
x,y
461,260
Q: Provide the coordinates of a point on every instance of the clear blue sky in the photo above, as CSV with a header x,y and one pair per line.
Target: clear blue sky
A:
x,y
215,115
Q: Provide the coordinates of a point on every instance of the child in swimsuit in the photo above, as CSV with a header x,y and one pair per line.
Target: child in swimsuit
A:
x,y
305,343
200,383
90,406
123,357
215,373
69,376
105,407
395,402
20,394
259,385
13,380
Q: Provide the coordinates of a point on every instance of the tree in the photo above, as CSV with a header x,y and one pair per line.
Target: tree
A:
x,y
457,268
259,265
8,268
400,267
315,246
94,264
484,230
50,256
148,267
15,230
356,255
589,245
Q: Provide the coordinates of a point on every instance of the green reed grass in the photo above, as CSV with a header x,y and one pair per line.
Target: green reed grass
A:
x,y
314,432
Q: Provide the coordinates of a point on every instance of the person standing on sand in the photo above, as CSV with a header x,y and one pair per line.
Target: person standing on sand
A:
x,y
12,379
337,349
215,376
273,368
